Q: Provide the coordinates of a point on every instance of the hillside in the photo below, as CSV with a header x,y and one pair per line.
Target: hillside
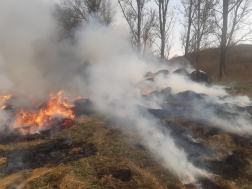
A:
x,y
238,63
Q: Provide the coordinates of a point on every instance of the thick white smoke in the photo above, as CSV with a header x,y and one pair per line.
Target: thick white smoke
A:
x,y
114,78
34,62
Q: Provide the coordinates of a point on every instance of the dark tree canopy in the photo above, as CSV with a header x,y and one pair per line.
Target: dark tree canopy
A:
x,y
71,13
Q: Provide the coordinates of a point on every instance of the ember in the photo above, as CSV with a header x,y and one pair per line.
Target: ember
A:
x,y
146,92
80,97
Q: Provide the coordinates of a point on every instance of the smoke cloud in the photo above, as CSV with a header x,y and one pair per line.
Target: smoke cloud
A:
x,y
98,63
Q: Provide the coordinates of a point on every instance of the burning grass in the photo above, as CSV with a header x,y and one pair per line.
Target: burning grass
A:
x,y
56,107
44,121
120,161
117,163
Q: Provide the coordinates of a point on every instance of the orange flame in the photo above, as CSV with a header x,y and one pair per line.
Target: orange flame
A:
x,y
154,78
5,98
80,97
146,92
57,107
3,107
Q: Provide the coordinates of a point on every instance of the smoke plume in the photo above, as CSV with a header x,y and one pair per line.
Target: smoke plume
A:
x,y
98,63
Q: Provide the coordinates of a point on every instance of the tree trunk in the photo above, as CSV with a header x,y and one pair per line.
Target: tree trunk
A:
x,y
162,28
189,28
198,34
139,16
223,38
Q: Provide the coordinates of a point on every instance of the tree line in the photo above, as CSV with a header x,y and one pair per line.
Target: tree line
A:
x,y
205,23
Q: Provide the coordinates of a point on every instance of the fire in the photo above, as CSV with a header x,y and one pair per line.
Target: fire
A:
x,y
146,92
80,97
56,107
154,78
3,107
5,98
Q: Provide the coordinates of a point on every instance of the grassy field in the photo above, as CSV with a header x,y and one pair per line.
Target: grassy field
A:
x,y
237,88
238,63
238,85
119,162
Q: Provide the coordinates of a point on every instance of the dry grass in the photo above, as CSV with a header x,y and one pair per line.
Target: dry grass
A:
x,y
238,63
10,180
116,151
223,145
2,161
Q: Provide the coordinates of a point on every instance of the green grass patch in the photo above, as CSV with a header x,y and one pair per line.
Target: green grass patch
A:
x,y
236,85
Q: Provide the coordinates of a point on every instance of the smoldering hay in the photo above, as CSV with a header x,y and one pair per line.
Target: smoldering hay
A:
x,y
34,61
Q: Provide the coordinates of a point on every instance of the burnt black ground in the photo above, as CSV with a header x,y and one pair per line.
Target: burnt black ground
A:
x,y
14,136
208,184
51,153
242,141
124,175
228,168
182,106
183,140
83,107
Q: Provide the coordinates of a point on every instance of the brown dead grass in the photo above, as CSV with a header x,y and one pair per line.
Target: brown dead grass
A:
x,y
141,178
34,175
223,144
115,151
75,151
2,161
23,178
10,180
238,63
71,182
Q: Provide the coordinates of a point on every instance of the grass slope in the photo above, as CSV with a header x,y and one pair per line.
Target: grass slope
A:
x,y
121,162
238,63
118,162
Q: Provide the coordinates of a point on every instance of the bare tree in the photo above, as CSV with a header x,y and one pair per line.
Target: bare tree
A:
x,y
189,27
70,13
199,18
162,10
187,11
203,25
198,26
232,26
169,34
223,42
140,21
165,27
